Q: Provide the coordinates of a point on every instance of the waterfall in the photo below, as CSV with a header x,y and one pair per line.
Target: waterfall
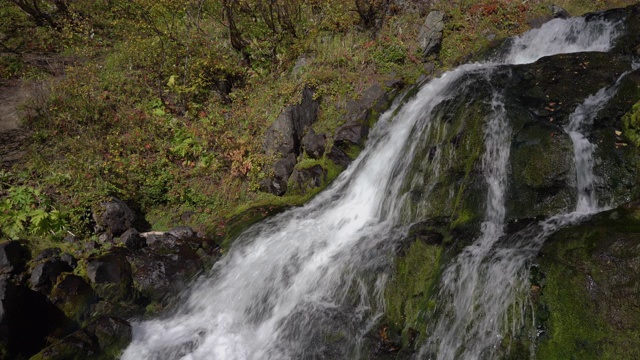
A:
x,y
483,282
308,283
579,121
561,37
460,280
269,296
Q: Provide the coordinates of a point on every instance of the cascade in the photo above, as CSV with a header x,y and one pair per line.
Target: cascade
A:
x,y
580,120
484,281
309,282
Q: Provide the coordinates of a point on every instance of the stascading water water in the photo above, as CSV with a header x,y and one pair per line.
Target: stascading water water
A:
x,y
308,283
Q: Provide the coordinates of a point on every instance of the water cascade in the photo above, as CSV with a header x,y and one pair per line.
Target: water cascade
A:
x,y
309,283
484,281
579,120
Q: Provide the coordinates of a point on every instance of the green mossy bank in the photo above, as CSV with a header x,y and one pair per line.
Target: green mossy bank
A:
x,y
589,303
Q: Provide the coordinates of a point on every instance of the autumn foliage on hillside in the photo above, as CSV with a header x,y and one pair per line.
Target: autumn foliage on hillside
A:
x,y
164,103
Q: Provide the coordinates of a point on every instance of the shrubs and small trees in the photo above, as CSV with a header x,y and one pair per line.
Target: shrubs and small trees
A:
x,y
166,102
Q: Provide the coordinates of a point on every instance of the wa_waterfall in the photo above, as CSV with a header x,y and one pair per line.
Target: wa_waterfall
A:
x,y
291,281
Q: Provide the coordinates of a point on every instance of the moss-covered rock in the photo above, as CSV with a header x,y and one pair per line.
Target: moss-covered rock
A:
x,y
443,180
627,43
74,296
110,275
241,221
307,179
548,92
552,88
631,124
163,268
408,295
589,295
631,120
102,339
27,321
541,169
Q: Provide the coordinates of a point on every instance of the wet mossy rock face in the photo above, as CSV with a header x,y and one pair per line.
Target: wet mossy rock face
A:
x,y
446,182
629,42
408,296
589,307
631,120
547,93
102,339
446,187
445,179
